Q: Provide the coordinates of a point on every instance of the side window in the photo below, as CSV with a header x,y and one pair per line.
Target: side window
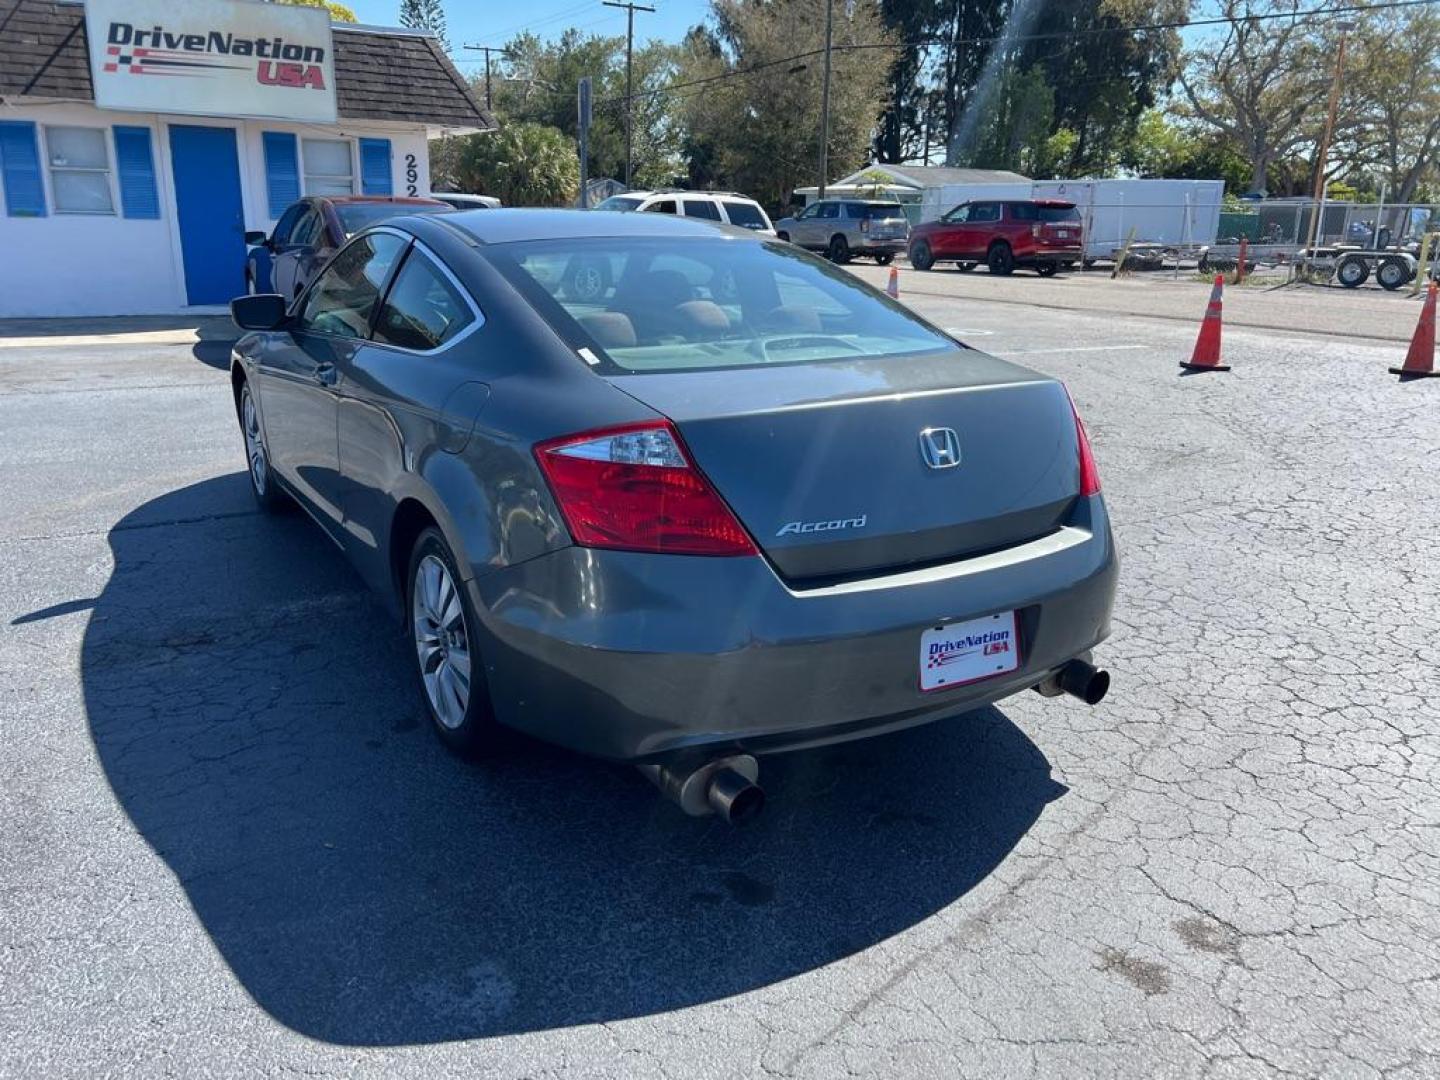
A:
x,y
809,212
344,296
958,216
307,229
423,310
746,214
987,211
829,210
702,208
664,206
1019,211
286,225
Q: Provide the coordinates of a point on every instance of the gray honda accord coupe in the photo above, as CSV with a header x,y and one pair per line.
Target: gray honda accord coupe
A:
x,y
735,502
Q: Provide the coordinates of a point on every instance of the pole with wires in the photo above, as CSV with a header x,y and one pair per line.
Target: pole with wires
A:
x,y
630,10
487,50
825,99
1324,149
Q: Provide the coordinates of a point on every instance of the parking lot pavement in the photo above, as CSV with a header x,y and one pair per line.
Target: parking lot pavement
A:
x,y
231,847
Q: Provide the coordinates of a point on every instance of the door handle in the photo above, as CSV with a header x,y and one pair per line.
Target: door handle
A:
x,y
325,374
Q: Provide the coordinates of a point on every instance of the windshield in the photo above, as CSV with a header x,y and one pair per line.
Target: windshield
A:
x,y
356,216
883,212
664,305
620,202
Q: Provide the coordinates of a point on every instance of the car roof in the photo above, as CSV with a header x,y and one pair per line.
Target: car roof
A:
x,y
1049,202
510,224
400,200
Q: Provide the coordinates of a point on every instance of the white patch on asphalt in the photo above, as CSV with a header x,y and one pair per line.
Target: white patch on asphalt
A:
x,y
1076,348
957,331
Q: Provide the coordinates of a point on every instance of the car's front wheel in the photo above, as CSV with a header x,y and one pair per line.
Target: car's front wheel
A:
x,y
884,259
1047,269
262,480
443,632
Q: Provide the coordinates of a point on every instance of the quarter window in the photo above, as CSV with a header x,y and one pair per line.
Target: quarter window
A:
x,y
79,170
747,215
344,296
423,310
329,167
666,206
702,208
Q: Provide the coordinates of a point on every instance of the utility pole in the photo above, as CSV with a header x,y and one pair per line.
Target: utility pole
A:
x,y
630,10
825,99
1320,160
487,50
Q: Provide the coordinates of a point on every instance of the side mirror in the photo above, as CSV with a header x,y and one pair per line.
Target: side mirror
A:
x,y
255,238
264,311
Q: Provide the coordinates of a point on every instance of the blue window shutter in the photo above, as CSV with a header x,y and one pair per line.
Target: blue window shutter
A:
x,y
282,171
20,169
375,167
135,164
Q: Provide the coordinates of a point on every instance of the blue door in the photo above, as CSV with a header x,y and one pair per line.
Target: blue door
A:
x,y
210,213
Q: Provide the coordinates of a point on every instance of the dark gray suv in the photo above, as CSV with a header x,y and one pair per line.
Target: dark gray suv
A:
x,y
737,501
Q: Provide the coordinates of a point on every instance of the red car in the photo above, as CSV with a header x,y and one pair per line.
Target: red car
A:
x,y
1002,233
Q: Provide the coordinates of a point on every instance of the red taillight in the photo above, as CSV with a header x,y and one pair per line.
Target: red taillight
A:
x,y
1089,474
634,488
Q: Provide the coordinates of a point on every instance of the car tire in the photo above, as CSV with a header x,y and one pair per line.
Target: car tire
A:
x,y
839,250
1392,273
921,257
263,484
1000,259
1352,273
785,236
1047,269
443,632
964,267
884,260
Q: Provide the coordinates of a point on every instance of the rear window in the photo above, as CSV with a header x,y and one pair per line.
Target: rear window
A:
x,y
747,215
1054,213
356,216
620,202
884,213
651,304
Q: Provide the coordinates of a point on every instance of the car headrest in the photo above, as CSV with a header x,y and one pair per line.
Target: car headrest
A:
x,y
610,329
701,319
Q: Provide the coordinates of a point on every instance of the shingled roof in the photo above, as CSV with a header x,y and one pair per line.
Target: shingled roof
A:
x,y
380,74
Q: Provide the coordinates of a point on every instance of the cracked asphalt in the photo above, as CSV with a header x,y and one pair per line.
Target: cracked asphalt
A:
x,y
230,846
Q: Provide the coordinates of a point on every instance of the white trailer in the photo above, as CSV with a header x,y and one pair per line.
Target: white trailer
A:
x,y
938,200
1172,213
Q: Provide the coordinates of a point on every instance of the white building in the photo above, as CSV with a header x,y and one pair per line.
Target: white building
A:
x,y
140,139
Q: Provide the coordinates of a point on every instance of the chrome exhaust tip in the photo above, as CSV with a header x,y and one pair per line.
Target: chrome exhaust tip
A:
x,y
725,786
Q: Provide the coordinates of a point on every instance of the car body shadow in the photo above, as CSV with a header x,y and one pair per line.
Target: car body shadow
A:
x,y
254,711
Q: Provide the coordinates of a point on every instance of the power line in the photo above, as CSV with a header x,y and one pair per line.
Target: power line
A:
x,y
942,39
630,9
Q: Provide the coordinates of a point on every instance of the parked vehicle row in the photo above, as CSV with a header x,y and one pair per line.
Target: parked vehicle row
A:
x,y
718,206
731,501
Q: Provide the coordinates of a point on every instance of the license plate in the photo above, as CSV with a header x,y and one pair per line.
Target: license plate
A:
x,y
1063,234
969,651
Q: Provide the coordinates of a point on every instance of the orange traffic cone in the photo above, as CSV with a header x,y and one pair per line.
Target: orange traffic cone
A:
x,y
892,288
1206,356
1420,360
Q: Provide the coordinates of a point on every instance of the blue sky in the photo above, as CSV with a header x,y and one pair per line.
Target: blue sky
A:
x,y
495,24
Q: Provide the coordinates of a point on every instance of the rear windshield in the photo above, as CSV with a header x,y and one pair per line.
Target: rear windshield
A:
x,y
884,213
356,216
1038,212
651,304
620,202
747,215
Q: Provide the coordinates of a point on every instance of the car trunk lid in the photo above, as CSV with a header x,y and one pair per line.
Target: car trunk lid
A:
x,y
824,463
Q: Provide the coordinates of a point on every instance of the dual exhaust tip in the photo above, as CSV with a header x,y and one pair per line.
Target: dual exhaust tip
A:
x,y
728,787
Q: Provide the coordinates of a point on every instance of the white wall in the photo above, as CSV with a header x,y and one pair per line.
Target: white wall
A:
x,y
91,264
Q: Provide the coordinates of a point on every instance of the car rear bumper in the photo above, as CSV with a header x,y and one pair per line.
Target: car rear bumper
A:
x,y
1051,255
881,247
632,656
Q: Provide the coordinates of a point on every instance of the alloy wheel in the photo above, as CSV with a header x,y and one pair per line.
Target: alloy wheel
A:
x,y
254,443
442,644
